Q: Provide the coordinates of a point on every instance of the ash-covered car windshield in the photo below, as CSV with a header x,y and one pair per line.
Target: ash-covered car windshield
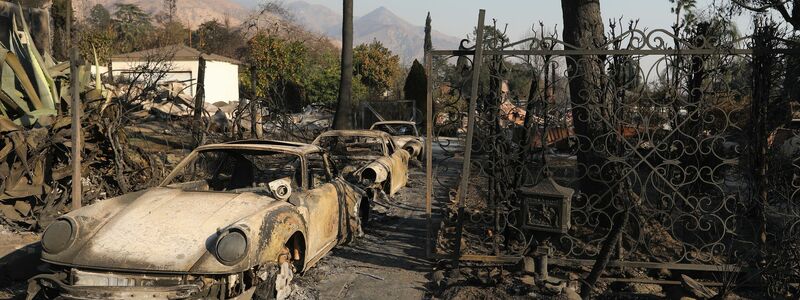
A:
x,y
397,129
235,170
352,146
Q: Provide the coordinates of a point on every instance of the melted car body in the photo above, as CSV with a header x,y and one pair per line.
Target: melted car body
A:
x,y
369,158
404,134
219,226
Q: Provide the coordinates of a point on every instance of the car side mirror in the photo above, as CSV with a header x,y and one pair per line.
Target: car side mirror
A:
x,y
281,188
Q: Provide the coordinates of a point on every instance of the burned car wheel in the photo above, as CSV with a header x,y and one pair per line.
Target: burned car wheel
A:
x,y
364,210
277,285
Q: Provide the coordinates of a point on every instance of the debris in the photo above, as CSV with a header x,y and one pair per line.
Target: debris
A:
x,y
528,279
696,288
457,275
554,288
438,277
571,294
10,213
664,273
369,275
645,289
528,265
23,207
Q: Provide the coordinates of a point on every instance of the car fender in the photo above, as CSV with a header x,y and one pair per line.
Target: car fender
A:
x,y
377,172
411,144
266,232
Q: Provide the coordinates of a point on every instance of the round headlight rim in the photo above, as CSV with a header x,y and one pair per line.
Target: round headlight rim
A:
x,y
73,233
225,233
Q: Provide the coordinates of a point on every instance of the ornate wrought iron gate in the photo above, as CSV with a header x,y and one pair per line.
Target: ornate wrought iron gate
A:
x,y
667,148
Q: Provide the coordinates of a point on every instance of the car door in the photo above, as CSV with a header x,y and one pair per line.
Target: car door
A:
x,y
320,200
399,163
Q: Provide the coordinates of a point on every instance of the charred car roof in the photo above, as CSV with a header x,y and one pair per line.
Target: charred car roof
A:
x,y
394,123
356,132
266,145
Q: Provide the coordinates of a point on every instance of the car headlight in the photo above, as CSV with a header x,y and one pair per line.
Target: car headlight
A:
x,y
231,247
368,177
58,236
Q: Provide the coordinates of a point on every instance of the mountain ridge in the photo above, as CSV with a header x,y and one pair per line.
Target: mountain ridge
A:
x,y
397,34
190,12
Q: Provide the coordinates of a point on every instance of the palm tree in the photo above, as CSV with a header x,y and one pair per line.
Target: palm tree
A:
x,y
343,119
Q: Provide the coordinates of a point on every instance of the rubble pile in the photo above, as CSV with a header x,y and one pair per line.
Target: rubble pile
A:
x,y
35,160
33,166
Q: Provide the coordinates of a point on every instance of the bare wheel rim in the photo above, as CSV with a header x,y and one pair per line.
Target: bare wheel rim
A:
x,y
283,281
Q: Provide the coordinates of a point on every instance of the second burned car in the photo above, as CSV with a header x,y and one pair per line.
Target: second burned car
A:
x,y
369,158
404,134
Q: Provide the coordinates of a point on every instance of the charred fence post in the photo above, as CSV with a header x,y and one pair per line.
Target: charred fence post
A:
x,y
256,131
77,110
199,103
428,134
763,64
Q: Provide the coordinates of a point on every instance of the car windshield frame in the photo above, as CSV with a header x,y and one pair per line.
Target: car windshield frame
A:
x,y
192,157
383,141
412,125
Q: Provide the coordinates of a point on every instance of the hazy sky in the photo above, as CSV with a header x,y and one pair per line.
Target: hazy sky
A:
x,y
458,17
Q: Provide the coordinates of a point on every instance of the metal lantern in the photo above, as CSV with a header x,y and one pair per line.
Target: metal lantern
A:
x,y
546,206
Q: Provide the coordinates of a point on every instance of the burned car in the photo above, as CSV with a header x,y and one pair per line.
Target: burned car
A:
x,y
233,220
405,135
369,158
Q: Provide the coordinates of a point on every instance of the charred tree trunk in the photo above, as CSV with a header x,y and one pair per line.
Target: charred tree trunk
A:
x,y
343,119
696,79
199,103
763,65
583,27
590,101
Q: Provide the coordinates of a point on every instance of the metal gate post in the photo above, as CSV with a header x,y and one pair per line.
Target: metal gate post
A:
x,y
462,190
428,137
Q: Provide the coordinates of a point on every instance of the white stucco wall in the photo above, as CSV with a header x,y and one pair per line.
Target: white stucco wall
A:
x,y
222,78
222,81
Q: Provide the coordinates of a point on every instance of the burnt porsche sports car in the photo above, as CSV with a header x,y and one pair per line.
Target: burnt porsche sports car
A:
x,y
233,220
405,135
369,158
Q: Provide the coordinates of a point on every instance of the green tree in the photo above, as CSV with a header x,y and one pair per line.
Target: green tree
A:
x,y
277,63
789,10
100,40
60,12
99,17
170,33
491,36
415,88
376,65
322,82
133,27
215,37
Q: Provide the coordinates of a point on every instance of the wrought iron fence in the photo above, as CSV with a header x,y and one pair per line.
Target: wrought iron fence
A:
x,y
656,133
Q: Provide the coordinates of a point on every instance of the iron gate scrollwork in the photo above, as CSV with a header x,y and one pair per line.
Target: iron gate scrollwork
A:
x,y
666,141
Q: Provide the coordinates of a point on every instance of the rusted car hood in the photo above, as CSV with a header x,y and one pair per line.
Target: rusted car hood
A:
x,y
401,140
163,229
